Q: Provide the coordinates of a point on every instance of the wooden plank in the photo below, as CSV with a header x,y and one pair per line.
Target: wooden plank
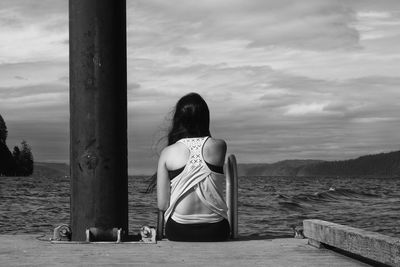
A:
x,y
380,248
315,243
27,250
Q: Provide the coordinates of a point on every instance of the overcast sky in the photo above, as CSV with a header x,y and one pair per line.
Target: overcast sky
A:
x,y
284,79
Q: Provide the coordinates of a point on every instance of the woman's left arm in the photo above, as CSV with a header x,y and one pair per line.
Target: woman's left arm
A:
x,y
163,183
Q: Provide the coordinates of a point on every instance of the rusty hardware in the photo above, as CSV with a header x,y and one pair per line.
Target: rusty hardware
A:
x,y
94,234
88,160
62,233
148,234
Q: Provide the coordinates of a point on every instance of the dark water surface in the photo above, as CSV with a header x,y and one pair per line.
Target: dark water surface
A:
x,y
268,206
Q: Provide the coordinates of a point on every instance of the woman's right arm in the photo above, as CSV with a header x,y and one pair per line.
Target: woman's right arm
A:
x,y
163,183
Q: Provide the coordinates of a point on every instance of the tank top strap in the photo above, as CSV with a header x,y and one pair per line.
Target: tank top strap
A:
x,y
195,146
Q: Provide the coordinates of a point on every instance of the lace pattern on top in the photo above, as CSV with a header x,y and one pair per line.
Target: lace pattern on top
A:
x,y
208,187
195,146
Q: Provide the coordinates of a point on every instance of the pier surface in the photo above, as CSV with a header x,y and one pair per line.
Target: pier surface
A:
x,y
28,250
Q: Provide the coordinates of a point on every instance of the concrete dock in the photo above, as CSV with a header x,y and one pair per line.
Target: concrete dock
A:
x,y
31,250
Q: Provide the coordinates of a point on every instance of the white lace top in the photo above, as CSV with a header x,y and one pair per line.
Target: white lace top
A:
x,y
207,184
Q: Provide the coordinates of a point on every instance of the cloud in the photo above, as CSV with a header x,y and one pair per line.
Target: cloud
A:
x,y
19,77
33,31
312,24
180,51
41,94
288,112
373,15
305,109
41,104
374,25
133,86
33,73
375,119
283,79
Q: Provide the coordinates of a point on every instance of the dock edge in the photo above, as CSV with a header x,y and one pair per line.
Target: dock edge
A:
x,y
377,247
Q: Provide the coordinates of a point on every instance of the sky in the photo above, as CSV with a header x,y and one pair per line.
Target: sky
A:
x,y
288,79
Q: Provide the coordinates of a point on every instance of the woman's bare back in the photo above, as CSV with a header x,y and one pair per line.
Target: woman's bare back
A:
x,y
214,152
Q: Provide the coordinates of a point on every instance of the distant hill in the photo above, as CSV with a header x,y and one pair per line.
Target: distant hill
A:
x,y
280,168
44,169
378,165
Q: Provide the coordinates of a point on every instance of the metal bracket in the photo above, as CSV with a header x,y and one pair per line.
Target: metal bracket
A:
x,y
62,233
96,235
148,234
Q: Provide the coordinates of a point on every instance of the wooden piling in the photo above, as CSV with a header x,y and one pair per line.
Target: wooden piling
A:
x,y
98,115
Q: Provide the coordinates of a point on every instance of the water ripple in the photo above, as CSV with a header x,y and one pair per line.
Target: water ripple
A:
x,y
268,206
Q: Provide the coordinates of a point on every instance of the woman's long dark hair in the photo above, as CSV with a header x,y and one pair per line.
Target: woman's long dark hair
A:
x,y
191,119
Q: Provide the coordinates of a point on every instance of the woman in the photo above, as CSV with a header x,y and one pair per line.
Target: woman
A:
x,y
190,176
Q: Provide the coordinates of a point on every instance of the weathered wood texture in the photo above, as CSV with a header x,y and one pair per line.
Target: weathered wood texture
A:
x,y
98,115
375,246
26,250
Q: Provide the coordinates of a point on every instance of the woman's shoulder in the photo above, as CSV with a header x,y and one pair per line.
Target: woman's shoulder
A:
x,y
213,143
219,143
172,148
214,151
215,146
174,155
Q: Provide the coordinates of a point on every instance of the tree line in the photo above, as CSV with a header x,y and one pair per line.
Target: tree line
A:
x,y
377,165
16,163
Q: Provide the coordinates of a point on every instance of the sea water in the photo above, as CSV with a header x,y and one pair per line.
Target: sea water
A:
x,y
268,206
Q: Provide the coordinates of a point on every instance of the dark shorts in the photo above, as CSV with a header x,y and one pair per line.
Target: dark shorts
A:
x,y
197,232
